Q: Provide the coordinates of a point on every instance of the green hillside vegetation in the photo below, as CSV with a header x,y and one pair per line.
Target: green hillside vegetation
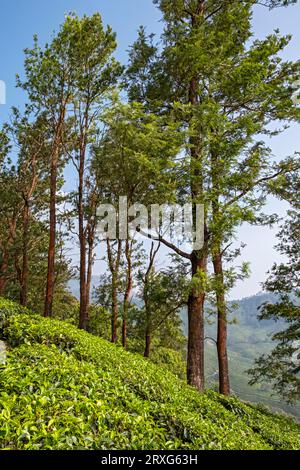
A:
x,y
62,388
248,338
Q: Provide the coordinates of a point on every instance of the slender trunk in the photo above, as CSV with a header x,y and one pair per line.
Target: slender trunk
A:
x,y
83,315
147,344
52,228
128,291
148,310
124,329
91,235
25,263
52,240
6,257
89,269
114,266
23,273
115,310
3,272
224,382
84,283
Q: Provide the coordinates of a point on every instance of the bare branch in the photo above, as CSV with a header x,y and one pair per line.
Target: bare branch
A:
x,y
166,243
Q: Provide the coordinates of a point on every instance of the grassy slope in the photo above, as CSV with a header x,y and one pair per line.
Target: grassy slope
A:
x,y
62,388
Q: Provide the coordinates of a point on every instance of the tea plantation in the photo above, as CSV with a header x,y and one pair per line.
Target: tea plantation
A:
x,y
62,388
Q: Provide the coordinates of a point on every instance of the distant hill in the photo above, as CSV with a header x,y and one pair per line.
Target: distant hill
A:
x,y
248,338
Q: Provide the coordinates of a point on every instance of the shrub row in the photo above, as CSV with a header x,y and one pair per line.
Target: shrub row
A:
x,y
63,388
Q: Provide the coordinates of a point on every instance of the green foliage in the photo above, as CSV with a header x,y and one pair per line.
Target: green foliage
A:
x,y
282,365
63,388
173,361
135,156
99,321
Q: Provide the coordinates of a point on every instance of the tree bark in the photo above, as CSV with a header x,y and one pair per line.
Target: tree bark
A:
x,y
115,313
29,168
52,241
224,381
147,344
90,267
128,292
25,257
114,269
91,234
3,272
83,315
195,361
52,228
6,257
217,236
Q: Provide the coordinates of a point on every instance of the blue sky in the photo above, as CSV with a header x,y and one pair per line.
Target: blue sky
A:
x,y
20,19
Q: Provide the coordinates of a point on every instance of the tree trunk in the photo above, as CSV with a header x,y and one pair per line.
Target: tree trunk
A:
x,y
5,258
128,291
217,236
224,382
195,361
25,263
83,315
114,266
147,344
3,272
52,228
115,311
52,239
89,269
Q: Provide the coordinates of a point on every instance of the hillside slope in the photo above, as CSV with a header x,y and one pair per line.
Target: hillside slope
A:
x,y
248,338
62,388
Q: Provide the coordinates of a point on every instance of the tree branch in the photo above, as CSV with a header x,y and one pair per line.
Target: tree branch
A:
x,y
166,243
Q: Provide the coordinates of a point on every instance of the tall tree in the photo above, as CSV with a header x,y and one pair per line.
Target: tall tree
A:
x,y
10,208
23,196
49,78
95,74
205,47
137,148
31,139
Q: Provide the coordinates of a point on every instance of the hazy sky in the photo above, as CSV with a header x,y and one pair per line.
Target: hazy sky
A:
x,y
20,19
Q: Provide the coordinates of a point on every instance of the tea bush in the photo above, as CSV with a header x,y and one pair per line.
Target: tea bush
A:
x,y
63,388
